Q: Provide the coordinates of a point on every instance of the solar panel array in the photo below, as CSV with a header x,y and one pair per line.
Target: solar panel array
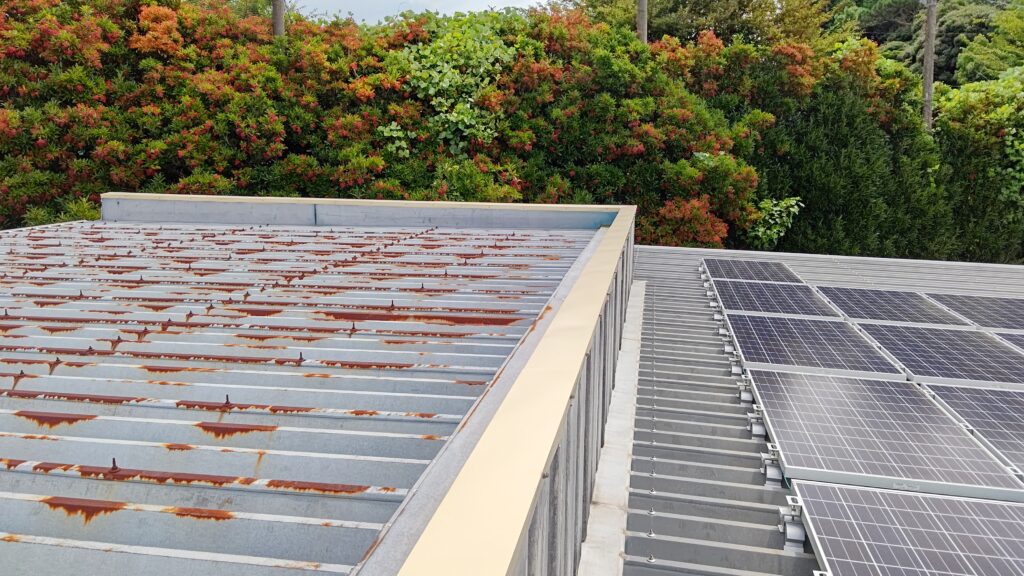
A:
x,y
871,532
874,428
797,299
985,310
1015,339
891,305
891,481
947,353
757,270
997,415
801,342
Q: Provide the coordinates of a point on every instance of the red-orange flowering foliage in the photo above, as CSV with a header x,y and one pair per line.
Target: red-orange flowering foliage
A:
x,y
159,31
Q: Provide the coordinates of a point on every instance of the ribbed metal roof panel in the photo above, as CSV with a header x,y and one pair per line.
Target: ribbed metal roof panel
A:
x,y
242,399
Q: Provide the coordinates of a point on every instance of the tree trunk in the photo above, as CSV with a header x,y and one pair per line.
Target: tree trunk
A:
x,y
641,20
278,17
931,7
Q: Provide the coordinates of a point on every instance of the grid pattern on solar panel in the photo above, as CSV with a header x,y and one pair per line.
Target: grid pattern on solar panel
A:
x,y
1015,339
759,270
801,342
997,415
888,305
767,297
985,310
871,427
870,532
942,353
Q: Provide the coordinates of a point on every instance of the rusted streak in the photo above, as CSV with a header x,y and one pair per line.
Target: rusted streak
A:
x,y
179,447
11,463
88,509
200,513
228,407
322,487
446,319
363,412
367,365
47,467
92,398
223,430
53,419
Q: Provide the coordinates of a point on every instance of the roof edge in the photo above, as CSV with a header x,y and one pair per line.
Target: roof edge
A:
x,y
262,211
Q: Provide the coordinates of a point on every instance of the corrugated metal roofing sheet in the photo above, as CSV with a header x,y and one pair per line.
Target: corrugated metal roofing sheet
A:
x,y
236,399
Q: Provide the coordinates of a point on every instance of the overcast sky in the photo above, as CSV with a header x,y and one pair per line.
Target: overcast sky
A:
x,y
374,10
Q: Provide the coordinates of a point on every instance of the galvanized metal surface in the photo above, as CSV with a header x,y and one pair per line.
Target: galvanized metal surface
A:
x,y
698,503
242,399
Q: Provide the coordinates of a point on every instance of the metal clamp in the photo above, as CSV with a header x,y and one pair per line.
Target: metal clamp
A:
x,y
791,524
770,466
745,394
755,423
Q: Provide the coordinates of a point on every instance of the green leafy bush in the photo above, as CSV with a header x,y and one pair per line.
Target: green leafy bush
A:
x,y
980,131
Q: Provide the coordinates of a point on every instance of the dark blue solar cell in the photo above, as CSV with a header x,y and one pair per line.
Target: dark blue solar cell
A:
x,y
759,270
985,310
801,342
770,297
873,428
888,305
997,415
867,531
946,353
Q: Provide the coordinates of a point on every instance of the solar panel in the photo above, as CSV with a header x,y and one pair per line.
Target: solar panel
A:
x,y
944,353
872,532
874,428
985,310
801,342
997,415
888,305
1015,339
768,297
759,270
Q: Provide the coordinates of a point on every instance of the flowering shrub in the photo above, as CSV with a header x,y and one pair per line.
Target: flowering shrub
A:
x,y
190,98
709,139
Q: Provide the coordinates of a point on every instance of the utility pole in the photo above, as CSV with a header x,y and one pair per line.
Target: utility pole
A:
x,y
277,16
931,7
641,20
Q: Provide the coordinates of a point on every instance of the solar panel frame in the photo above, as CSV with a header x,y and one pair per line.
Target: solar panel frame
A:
x,y
986,311
750,270
995,414
772,298
949,355
805,343
859,531
869,432
888,305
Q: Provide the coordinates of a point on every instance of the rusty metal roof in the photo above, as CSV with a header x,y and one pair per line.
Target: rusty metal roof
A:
x,y
218,399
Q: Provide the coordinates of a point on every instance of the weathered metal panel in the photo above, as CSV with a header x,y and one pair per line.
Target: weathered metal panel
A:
x,y
202,398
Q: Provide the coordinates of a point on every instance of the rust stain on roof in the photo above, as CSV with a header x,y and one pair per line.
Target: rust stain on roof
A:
x,y
53,419
88,509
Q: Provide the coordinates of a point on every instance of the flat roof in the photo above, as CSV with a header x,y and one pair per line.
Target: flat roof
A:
x,y
699,502
192,389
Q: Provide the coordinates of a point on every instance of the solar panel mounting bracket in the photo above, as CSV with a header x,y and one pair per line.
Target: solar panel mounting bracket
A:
x,y
756,425
791,524
770,466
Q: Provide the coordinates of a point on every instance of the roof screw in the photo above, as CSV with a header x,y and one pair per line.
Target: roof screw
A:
x,y
227,401
113,465
650,558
